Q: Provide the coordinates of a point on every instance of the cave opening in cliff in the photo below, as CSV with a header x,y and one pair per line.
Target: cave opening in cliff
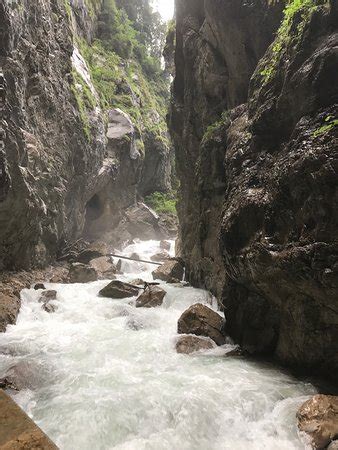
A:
x,y
94,209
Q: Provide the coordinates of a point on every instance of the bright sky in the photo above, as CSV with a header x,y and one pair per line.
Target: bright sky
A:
x,y
166,8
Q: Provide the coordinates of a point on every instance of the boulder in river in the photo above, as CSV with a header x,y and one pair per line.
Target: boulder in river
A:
x,y
9,310
138,282
104,267
119,266
117,289
59,275
165,245
49,307
39,286
94,250
333,445
171,271
318,418
160,256
46,296
143,222
190,344
26,374
87,255
135,256
202,321
7,384
82,273
152,296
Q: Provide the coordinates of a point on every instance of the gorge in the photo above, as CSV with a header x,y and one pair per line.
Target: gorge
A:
x,y
255,131
108,117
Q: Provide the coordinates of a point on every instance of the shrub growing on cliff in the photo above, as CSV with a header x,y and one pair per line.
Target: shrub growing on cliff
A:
x,y
162,203
296,15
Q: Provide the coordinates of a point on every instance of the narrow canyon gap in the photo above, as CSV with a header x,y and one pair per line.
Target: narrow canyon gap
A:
x,y
168,224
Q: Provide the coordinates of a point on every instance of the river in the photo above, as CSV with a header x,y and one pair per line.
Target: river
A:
x,y
101,374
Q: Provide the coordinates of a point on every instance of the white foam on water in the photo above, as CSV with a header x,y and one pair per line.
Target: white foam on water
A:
x,y
105,375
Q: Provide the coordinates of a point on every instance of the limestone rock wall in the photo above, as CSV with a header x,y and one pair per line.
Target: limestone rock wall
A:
x,y
62,170
258,207
47,158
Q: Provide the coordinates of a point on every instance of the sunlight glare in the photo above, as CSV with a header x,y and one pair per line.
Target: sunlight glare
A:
x,y
165,8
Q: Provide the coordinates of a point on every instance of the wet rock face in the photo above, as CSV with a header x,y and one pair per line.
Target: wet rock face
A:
x,y
261,184
218,45
143,222
202,321
318,418
64,171
48,157
156,171
116,187
113,212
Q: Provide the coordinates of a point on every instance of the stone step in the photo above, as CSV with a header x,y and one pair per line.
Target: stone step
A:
x,y
17,430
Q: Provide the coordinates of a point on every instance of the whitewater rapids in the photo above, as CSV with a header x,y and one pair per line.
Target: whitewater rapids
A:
x,y
102,374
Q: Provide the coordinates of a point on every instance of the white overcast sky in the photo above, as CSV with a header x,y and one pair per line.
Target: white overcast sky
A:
x,y
165,7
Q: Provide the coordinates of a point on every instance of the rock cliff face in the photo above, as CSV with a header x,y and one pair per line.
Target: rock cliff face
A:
x,y
62,170
255,132
48,159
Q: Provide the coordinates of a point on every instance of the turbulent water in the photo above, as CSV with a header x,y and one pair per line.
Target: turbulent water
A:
x,y
101,374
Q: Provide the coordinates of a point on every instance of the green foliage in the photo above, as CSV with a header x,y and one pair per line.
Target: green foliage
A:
x,y
148,24
104,68
290,31
214,127
133,31
68,9
169,48
162,203
85,101
124,71
124,86
171,27
93,6
330,123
